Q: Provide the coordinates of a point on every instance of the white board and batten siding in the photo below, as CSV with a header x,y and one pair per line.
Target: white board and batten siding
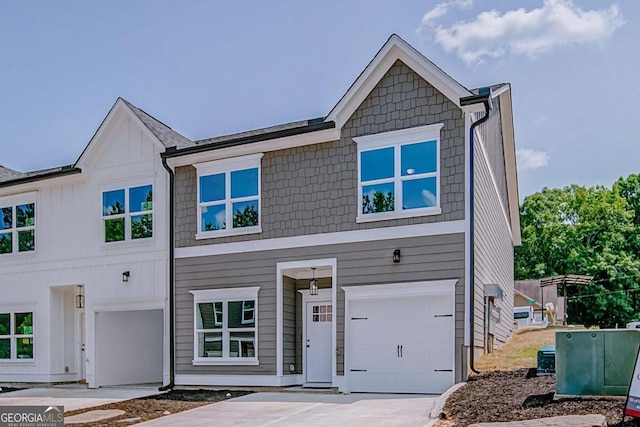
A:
x,y
70,251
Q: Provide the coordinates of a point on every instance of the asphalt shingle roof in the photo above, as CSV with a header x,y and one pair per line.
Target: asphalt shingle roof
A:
x,y
7,174
167,136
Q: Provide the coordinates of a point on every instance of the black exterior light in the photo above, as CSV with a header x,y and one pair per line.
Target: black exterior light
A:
x,y
313,283
396,256
125,276
80,297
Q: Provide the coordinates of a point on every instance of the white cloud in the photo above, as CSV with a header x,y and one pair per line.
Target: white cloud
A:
x,y
441,9
531,159
429,198
557,24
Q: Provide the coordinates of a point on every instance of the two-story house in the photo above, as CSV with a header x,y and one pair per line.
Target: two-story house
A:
x,y
369,250
84,260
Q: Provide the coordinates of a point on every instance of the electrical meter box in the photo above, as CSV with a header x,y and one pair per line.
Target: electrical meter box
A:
x,y
596,362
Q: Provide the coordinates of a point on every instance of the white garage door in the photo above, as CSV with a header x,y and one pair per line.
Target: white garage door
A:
x,y
401,344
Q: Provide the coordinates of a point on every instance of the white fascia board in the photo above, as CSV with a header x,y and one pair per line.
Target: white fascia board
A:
x,y
104,126
395,49
38,184
341,237
509,147
309,138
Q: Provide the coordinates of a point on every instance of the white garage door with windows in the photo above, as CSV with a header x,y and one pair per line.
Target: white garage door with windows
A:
x,y
399,338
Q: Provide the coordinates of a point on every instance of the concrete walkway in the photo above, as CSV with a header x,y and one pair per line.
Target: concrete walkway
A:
x,y
74,398
296,409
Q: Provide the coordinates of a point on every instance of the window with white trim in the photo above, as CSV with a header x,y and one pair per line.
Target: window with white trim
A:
x,y
17,227
16,335
399,173
127,213
225,326
229,196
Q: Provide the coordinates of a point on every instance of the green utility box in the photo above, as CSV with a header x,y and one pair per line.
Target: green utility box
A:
x,y
547,360
596,362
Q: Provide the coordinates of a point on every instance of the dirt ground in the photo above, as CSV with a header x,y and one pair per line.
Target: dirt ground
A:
x,y
517,395
148,408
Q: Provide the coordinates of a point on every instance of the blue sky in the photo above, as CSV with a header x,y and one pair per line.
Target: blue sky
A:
x,y
210,68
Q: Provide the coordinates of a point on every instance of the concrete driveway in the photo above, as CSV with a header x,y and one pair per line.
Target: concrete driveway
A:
x,y
73,398
296,409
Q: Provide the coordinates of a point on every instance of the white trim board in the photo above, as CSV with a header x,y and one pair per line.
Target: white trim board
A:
x,y
357,236
237,380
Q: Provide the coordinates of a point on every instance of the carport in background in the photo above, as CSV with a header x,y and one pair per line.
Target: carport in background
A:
x,y
129,347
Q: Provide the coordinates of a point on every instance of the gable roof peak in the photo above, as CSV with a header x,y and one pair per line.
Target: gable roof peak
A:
x,y
394,49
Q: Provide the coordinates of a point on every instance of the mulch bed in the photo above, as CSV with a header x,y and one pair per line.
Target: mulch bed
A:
x,y
518,395
148,408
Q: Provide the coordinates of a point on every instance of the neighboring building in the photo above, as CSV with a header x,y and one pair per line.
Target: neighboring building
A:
x,y
383,206
70,237
543,295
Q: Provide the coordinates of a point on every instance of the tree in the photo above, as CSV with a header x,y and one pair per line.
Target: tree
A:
x,y
248,217
578,230
380,203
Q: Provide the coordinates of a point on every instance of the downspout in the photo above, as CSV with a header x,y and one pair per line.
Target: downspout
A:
x,y
475,99
171,280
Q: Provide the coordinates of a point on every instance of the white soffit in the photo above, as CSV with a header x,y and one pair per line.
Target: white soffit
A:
x,y
394,49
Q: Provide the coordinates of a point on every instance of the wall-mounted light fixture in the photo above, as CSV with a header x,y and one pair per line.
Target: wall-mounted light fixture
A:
x,y
125,276
313,283
396,255
80,297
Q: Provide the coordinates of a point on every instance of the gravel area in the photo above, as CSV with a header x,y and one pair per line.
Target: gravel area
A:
x,y
517,395
148,408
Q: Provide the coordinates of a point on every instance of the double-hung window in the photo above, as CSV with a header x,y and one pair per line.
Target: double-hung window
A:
x,y
18,225
399,174
16,335
127,213
229,196
226,326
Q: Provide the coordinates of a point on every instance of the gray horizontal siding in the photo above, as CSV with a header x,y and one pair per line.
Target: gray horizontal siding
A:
x,y
423,258
493,248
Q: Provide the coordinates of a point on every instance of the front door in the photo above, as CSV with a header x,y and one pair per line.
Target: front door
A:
x,y
318,345
82,356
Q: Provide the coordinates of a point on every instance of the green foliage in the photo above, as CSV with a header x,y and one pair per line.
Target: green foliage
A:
x,y
578,230
114,230
248,217
381,202
142,226
5,243
5,349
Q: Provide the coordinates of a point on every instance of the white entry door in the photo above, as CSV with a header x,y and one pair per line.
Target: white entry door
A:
x,y
318,341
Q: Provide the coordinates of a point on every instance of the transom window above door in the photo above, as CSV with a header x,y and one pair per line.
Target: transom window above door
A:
x,y
229,196
399,174
127,214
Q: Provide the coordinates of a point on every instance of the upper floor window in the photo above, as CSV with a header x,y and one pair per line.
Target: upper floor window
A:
x,y
127,214
229,196
18,225
399,173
